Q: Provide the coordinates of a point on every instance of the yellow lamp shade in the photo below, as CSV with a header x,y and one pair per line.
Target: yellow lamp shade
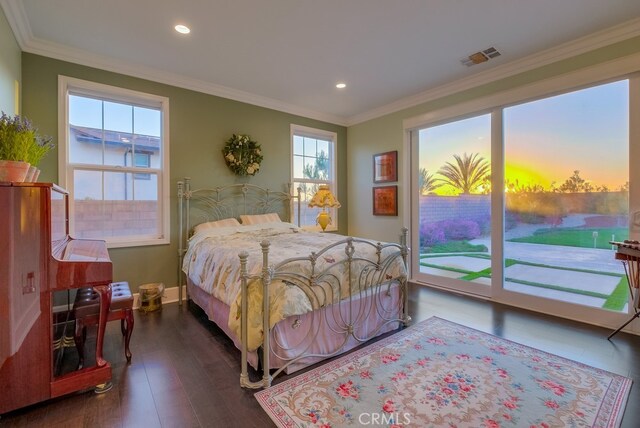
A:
x,y
323,199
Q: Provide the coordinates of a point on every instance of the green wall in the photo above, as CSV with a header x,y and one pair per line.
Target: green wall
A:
x,y
9,67
199,126
386,133
200,123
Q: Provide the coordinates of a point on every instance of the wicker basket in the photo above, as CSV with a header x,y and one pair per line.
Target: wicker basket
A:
x,y
150,297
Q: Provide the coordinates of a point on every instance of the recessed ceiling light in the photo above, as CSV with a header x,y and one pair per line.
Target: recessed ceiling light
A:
x,y
182,29
341,85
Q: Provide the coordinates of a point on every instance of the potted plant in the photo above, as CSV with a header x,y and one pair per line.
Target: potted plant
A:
x,y
21,146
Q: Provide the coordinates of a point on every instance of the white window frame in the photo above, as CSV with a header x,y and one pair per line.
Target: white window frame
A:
x,y
66,168
306,131
622,68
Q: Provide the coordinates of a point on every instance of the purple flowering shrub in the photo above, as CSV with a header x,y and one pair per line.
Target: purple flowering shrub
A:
x,y
431,234
484,223
448,230
458,230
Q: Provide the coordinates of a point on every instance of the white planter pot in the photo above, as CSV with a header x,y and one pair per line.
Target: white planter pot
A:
x,y
31,172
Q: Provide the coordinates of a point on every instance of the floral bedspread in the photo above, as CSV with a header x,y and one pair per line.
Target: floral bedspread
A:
x,y
212,263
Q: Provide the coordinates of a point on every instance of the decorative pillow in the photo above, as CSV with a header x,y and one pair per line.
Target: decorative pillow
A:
x,y
260,218
227,222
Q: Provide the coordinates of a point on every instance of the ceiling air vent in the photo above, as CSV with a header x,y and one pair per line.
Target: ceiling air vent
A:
x,y
480,57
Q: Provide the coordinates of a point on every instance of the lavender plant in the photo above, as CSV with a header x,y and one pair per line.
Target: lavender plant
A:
x,y
20,140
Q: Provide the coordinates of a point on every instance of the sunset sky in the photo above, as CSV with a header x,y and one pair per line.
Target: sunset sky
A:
x,y
546,140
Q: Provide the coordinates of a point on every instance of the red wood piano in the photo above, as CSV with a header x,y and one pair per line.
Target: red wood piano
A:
x,y
38,258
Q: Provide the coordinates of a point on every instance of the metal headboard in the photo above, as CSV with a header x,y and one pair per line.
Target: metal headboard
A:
x,y
232,201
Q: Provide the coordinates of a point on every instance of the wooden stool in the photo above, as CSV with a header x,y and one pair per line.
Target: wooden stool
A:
x,y
87,311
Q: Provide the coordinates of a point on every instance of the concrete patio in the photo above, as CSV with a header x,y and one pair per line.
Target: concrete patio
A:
x,y
564,267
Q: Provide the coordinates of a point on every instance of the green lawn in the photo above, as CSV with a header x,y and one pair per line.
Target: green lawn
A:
x,y
575,237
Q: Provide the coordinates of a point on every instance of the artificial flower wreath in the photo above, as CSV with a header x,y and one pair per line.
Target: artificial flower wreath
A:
x,y
242,155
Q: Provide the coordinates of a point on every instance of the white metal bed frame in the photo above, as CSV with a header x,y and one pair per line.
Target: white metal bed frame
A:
x,y
369,281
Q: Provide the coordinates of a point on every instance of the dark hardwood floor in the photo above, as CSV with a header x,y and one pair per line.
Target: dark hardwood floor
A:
x,y
185,372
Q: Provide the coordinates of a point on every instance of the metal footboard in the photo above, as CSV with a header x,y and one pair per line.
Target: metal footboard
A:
x,y
367,278
342,307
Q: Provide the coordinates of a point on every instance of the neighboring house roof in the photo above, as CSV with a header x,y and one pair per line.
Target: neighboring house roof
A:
x,y
115,138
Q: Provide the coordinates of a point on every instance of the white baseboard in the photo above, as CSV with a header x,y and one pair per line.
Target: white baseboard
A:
x,y
170,295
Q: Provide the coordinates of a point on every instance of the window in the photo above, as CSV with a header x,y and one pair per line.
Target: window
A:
x,y
454,199
113,160
562,190
571,202
142,160
313,163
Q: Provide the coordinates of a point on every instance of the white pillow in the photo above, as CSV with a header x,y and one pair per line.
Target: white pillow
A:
x,y
260,218
227,222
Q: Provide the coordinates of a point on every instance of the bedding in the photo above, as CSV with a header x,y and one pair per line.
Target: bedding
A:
x,y
288,334
260,218
212,264
215,224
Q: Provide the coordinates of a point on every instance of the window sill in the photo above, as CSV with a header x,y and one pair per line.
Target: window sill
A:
x,y
136,243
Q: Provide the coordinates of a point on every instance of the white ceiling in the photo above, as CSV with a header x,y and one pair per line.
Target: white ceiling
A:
x,y
289,54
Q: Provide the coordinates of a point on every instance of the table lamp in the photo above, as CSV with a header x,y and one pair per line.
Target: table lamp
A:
x,y
323,199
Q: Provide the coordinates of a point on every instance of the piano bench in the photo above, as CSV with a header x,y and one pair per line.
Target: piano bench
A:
x,y
86,309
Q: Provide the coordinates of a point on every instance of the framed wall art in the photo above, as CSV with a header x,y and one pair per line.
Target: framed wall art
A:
x,y
385,200
385,167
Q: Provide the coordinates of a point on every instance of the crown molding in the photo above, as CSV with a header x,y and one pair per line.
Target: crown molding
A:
x,y
17,18
19,23
77,56
570,49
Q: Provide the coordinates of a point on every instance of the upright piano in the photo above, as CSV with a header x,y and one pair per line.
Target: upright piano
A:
x,y
37,259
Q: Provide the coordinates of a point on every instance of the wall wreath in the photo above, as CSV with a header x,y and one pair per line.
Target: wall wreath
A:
x,y
242,155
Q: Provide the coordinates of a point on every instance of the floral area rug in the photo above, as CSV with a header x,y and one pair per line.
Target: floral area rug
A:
x,y
441,374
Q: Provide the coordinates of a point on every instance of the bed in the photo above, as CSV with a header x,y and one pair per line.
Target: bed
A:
x,y
325,293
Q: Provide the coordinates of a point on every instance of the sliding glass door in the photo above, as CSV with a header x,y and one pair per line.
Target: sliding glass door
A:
x,y
567,196
454,208
540,238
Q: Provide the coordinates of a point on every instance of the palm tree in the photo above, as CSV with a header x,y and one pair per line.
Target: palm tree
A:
x,y
427,182
467,174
